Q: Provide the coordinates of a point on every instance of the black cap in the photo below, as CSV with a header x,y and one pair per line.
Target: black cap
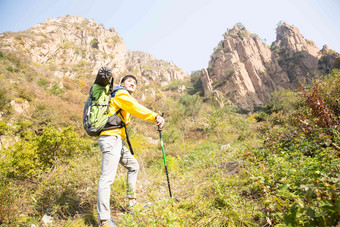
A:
x,y
128,76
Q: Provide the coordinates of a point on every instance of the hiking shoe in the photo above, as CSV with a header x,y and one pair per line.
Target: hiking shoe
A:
x,y
137,207
108,223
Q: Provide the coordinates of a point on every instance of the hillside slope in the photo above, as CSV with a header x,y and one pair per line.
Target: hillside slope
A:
x,y
276,167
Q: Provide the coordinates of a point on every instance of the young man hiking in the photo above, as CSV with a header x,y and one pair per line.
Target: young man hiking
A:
x,y
114,151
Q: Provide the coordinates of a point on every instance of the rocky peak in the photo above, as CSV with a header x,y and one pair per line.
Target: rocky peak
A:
x,y
296,55
289,36
244,69
329,59
152,69
324,50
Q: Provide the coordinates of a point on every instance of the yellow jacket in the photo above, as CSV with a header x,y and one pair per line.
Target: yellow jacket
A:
x,y
123,100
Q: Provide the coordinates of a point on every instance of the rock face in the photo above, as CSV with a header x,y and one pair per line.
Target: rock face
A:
x,y
151,69
206,82
20,107
73,46
246,72
296,55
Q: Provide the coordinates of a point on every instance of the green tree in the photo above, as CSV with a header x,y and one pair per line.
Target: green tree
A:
x,y
197,87
58,146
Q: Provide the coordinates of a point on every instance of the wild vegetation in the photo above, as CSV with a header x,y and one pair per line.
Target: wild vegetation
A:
x,y
277,167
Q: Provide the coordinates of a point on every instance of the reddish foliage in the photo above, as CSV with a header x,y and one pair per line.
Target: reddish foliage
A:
x,y
319,109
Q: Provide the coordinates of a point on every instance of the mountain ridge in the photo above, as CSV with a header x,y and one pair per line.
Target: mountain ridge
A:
x,y
70,46
242,69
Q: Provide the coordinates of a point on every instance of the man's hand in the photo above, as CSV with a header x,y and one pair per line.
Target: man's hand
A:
x,y
159,121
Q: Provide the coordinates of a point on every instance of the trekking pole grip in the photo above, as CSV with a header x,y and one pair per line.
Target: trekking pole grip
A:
x,y
159,126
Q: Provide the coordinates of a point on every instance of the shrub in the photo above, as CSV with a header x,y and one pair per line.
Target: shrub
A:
x,y
26,93
197,87
57,146
296,189
228,73
10,68
94,43
21,160
192,105
172,134
4,100
56,90
320,110
295,172
42,82
36,153
173,86
4,128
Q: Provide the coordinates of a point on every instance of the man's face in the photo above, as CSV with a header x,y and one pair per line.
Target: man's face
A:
x,y
130,85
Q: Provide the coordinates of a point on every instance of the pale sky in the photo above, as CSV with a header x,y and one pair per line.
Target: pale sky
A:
x,y
183,31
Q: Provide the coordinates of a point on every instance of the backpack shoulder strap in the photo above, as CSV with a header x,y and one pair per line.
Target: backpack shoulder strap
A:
x,y
113,94
118,112
115,89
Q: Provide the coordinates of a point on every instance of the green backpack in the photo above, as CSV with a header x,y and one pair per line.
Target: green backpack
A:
x,y
95,115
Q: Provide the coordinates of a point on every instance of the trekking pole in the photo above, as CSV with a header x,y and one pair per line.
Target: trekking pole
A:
x,y
166,168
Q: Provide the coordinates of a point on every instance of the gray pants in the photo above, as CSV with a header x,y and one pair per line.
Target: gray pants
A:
x,y
114,152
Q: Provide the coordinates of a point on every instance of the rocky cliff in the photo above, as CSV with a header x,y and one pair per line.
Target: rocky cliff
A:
x,y
246,72
76,47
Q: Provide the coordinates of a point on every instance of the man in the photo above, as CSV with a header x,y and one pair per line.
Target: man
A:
x,y
113,148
